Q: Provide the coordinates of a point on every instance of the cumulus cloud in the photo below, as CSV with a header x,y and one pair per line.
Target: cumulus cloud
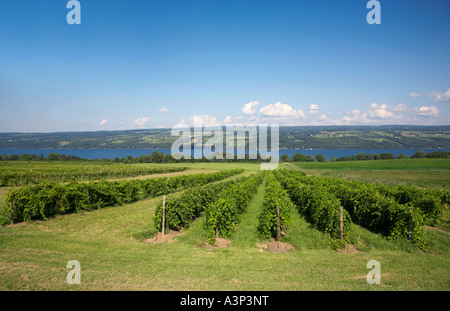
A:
x,y
374,115
384,112
205,120
313,109
281,110
163,109
228,120
250,108
379,112
414,94
438,96
430,111
103,122
399,107
354,115
141,121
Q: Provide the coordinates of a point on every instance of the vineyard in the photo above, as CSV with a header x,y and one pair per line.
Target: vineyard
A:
x,y
331,205
319,199
317,217
49,199
22,175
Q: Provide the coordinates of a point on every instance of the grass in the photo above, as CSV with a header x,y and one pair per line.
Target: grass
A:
x,y
209,166
110,246
34,255
408,164
434,173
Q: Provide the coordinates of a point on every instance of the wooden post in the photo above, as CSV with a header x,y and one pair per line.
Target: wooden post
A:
x,y
164,214
216,228
410,224
278,224
12,207
341,224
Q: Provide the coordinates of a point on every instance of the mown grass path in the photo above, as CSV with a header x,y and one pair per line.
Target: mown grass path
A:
x,y
246,234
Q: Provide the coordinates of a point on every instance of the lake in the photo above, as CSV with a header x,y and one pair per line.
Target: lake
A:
x,y
123,153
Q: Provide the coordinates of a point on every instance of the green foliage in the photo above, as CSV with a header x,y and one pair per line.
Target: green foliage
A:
x,y
181,211
225,212
419,154
402,156
438,154
22,177
391,211
320,158
430,202
48,199
274,195
316,203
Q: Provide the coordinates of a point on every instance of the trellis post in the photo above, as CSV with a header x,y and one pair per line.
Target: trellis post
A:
x,y
278,224
410,224
12,208
216,227
163,214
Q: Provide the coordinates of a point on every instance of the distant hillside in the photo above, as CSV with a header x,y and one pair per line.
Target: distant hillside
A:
x,y
298,137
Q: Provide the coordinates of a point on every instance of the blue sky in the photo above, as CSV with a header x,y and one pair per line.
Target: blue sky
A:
x,y
147,64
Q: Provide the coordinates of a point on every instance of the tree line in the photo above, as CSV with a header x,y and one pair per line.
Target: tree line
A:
x,y
420,154
160,157
154,157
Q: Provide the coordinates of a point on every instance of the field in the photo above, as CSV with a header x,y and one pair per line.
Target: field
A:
x,y
433,173
116,249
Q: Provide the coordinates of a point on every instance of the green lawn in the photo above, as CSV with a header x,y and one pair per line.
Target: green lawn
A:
x,y
433,173
408,164
209,166
110,246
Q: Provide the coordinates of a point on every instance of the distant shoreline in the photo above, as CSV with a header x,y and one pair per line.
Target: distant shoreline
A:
x,y
123,153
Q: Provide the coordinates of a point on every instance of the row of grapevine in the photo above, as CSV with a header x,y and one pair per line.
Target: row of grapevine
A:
x,y
319,206
92,172
181,211
49,199
369,207
224,213
275,196
430,202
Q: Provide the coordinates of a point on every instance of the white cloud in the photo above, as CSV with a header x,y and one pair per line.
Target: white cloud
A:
x,y
430,111
399,107
228,120
414,94
141,121
354,115
379,111
323,117
281,110
250,108
375,114
205,120
384,112
313,108
437,96
163,109
103,122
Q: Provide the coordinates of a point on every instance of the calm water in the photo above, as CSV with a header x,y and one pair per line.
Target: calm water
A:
x,y
123,153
